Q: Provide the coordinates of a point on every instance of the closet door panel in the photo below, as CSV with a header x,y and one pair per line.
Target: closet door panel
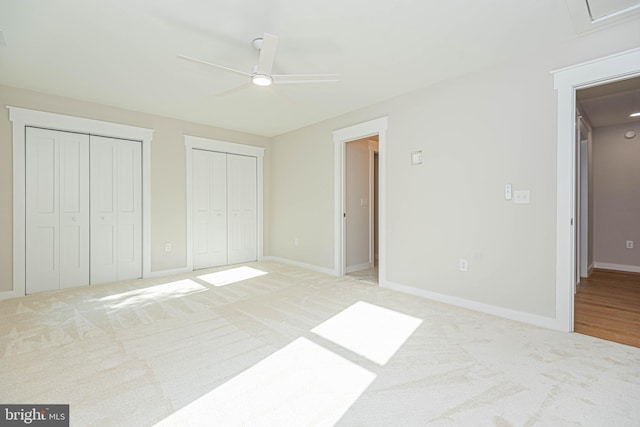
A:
x,y
218,213
242,207
116,210
57,205
129,210
209,195
201,193
42,217
103,210
74,210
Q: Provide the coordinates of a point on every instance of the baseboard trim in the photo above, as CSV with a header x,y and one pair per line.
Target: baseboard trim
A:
x,y
617,267
359,267
163,273
519,316
10,294
300,264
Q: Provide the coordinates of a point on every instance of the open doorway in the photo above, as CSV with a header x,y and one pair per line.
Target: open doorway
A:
x,y
341,137
607,211
361,201
612,68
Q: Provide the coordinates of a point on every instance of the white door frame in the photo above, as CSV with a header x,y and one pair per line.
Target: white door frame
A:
x,y
21,118
583,216
611,68
340,138
195,142
372,201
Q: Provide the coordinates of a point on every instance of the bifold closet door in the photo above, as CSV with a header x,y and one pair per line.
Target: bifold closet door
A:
x,y
209,209
57,210
242,209
224,208
116,210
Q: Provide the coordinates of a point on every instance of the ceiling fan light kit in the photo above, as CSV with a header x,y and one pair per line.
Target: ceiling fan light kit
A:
x,y
261,73
261,80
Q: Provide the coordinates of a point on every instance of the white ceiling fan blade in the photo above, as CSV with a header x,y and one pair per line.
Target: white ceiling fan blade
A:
x,y
305,78
200,61
267,54
234,89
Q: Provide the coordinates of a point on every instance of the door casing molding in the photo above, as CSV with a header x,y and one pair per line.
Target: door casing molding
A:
x,y
21,118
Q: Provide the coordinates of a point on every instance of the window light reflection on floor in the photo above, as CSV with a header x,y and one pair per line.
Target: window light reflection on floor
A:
x,y
233,275
152,294
300,384
369,330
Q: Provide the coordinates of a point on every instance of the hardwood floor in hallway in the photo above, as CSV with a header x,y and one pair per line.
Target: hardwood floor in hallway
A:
x,y
607,306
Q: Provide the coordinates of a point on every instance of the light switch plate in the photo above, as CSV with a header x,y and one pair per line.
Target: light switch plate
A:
x,y
416,157
522,197
508,194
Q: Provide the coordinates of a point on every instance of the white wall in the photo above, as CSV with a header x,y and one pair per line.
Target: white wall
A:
x,y
357,204
168,203
477,133
616,168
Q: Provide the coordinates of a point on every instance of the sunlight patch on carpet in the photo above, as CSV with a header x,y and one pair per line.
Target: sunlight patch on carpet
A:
x,y
153,294
233,275
300,384
369,330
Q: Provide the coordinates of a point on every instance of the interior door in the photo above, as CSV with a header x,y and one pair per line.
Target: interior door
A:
x,y
210,209
57,210
116,210
242,208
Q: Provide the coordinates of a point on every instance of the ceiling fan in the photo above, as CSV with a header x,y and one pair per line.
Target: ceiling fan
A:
x,y
261,74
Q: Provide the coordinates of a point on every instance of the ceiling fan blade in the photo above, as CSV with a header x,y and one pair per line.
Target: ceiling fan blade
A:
x,y
305,78
234,89
200,61
267,54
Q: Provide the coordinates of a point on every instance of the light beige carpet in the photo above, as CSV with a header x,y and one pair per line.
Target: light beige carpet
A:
x,y
268,344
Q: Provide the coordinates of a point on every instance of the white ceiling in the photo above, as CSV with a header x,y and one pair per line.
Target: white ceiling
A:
x,y
124,53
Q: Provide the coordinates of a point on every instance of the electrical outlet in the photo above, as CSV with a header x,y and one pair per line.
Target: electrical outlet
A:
x,y
167,247
464,264
629,244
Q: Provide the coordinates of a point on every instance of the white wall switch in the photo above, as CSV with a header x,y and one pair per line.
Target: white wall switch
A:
x,y
464,264
507,192
522,197
167,247
629,244
416,157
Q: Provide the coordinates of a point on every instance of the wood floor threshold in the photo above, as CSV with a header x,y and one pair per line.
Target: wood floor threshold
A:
x,y
607,306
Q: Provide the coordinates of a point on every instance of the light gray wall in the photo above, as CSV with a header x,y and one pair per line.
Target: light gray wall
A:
x,y
616,169
356,189
168,198
477,133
